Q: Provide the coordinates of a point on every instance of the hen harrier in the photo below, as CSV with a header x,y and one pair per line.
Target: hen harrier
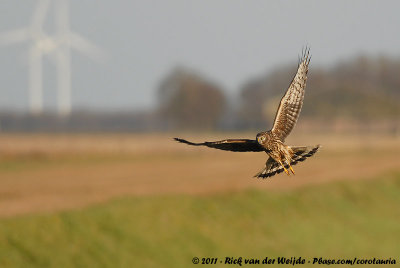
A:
x,y
281,156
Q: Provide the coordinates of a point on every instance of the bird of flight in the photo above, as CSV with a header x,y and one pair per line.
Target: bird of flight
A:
x,y
281,157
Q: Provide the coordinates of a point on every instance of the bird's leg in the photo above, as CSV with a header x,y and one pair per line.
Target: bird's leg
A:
x,y
287,172
290,167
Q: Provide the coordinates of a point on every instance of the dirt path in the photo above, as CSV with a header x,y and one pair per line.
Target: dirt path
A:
x,y
46,173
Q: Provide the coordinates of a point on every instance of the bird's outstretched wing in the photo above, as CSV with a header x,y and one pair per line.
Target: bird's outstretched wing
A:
x,y
234,145
289,109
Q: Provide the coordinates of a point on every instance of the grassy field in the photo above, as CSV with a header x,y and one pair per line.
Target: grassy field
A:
x,y
334,220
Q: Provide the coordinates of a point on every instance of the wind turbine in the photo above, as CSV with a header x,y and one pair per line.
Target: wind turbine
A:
x,y
40,44
68,40
58,47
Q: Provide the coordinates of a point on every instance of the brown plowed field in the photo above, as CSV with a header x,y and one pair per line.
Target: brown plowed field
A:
x,y
54,172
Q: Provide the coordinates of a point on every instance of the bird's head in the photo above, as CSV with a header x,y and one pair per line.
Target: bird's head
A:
x,y
261,137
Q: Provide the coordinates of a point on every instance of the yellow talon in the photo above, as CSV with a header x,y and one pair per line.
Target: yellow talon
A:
x,y
292,169
287,172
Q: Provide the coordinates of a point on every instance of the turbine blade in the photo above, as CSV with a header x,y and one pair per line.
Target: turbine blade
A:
x,y
84,46
40,13
62,16
15,36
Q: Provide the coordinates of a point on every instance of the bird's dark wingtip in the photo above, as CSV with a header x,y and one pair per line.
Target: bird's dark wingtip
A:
x,y
185,141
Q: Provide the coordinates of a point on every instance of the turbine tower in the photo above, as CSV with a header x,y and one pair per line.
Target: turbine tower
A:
x,y
67,40
58,47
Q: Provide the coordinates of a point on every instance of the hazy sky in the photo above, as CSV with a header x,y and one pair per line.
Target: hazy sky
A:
x,y
228,41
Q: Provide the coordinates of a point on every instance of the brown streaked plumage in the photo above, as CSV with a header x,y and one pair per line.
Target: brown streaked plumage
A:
x,y
281,157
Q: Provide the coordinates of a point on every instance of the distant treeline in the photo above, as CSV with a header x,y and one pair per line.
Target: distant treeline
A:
x,y
79,121
362,91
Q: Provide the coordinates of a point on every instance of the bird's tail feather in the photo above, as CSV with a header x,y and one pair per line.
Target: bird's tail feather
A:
x,y
300,153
